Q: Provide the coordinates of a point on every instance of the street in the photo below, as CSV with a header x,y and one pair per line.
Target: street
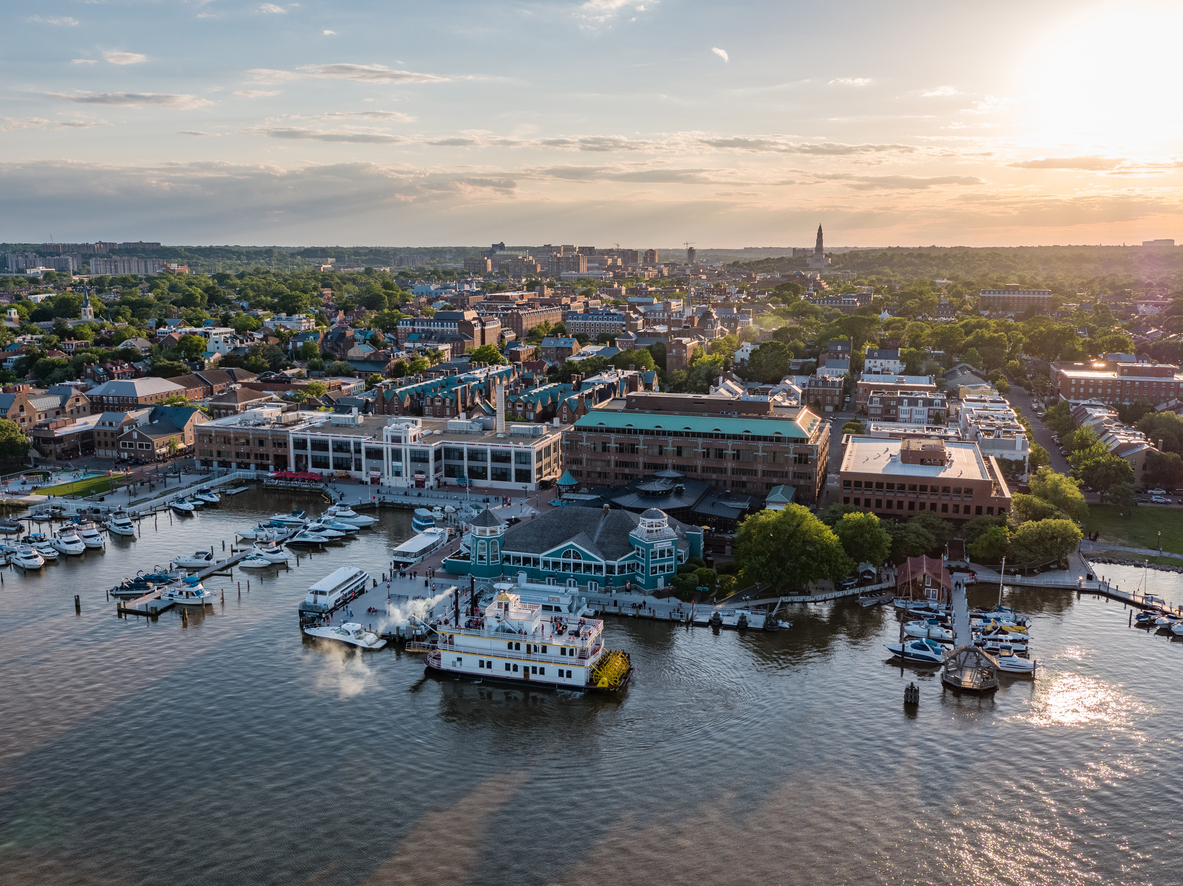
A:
x,y
1019,400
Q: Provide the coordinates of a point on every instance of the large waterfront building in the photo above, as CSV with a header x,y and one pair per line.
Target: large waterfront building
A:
x,y
896,479
1122,380
742,445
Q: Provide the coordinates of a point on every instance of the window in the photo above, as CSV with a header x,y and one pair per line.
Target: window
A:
x,y
507,666
480,662
542,672
515,669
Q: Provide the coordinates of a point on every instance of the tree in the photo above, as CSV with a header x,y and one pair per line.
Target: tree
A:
x,y
853,427
190,347
941,530
769,363
1163,470
373,380
176,400
1061,490
1038,458
1164,426
308,350
14,445
1121,495
991,546
487,354
1105,471
909,540
863,538
1044,540
1030,507
1059,418
316,389
836,512
789,549
340,367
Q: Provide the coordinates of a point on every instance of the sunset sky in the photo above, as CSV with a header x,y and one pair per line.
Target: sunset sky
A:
x,y
644,122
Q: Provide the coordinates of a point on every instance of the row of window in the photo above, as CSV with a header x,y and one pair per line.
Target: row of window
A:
x,y
540,670
962,510
881,486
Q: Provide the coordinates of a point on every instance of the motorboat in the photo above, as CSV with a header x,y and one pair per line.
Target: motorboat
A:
x,y
324,531
40,516
272,553
68,542
335,524
1013,664
996,647
918,608
258,532
295,518
27,558
199,560
181,506
422,519
918,651
47,551
1145,618
928,629
90,535
333,591
307,540
1165,621
120,524
145,582
188,593
347,515
1177,629
207,496
419,546
254,561
195,501
10,527
350,633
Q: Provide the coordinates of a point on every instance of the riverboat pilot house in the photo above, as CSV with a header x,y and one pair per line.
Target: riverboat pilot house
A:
x,y
594,548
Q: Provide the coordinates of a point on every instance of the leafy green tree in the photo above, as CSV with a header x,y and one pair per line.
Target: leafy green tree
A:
x,y
1164,426
863,538
190,347
340,368
1105,471
769,363
417,365
909,540
487,354
836,512
1059,418
1121,495
1030,507
789,549
1061,491
991,546
941,530
853,427
316,389
308,350
14,445
1164,470
1038,458
373,380
1044,540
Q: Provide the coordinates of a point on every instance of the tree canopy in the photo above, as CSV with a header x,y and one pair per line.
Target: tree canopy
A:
x,y
789,549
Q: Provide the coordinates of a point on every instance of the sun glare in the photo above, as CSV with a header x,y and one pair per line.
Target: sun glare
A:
x,y
1110,80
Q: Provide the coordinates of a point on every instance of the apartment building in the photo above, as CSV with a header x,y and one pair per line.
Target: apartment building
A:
x,y
143,267
27,407
1013,299
1122,440
882,361
895,479
1122,380
900,384
992,424
923,409
595,322
746,446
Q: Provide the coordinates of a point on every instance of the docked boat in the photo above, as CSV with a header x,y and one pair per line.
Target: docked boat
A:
x,y
198,560
121,524
1177,629
918,651
181,506
307,540
254,561
295,518
519,643
10,527
347,515
40,516
67,542
336,525
259,532
90,535
272,553
929,629
143,582
1014,664
206,496
422,519
189,592
1145,618
1001,646
27,558
47,551
419,546
324,531
350,633
333,591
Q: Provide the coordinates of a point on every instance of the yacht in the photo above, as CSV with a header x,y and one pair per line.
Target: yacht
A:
x,y
254,561
918,651
67,542
90,535
337,525
320,529
422,519
259,532
350,633
188,593
271,552
515,642
199,560
9,527
41,516
295,518
27,558
181,506
417,547
1014,664
333,591
207,496
307,540
928,629
346,514
47,551
120,524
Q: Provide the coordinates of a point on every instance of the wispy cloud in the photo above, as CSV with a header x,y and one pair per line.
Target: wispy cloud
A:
x,y
851,81
9,124
345,136
124,58
900,182
722,53
395,116
938,92
343,71
1091,164
199,133
329,33
256,93
133,99
272,9
603,11
61,21
83,61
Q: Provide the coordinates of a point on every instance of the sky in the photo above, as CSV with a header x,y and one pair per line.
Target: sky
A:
x,y
649,123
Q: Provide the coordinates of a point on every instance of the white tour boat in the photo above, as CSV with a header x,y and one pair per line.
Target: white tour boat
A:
x,y
67,542
90,535
350,633
417,547
519,643
181,506
121,524
27,558
333,591
188,593
346,514
199,560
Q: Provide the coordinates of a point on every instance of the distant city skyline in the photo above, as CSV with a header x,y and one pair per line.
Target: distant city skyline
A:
x,y
593,121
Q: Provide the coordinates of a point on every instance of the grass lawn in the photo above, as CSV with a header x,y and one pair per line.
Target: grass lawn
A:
x,y
1140,529
88,486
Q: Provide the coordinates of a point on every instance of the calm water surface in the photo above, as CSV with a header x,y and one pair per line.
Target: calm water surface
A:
x,y
229,751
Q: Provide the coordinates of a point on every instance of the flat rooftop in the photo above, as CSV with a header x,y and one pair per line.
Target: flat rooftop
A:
x,y
881,455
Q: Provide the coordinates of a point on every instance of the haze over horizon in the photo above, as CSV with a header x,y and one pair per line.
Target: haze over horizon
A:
x,y
646,122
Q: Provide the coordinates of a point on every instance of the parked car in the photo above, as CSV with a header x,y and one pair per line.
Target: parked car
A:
x,y
1160,499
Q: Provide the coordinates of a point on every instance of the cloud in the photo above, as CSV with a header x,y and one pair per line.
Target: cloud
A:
x,y
327,33
989,104
851,81
83,61
272,9
124,58
900,182
603,11
10,124
722,53
1091,164
133,99
199,133
346,136
271,75
256,93
372,115
61,21
938,92
636,176
369,73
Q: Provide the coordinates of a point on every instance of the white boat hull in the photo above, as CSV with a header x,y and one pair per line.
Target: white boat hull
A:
x,y
350,633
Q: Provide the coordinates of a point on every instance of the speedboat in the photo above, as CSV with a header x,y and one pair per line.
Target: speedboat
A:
x,y
307,540
1165,621
324,531
27,558
41,516
90,535
188,593
350,633
1177,629
120,524
199,560
258,532
1013,664
9,527
335,524
918,651
181,506
145,582
272,553
929,629
254,561
195,501
295,518
346,514
47,551
68,542
206,496
1001,647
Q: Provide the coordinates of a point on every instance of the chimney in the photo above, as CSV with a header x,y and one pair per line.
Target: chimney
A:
x,y
500,407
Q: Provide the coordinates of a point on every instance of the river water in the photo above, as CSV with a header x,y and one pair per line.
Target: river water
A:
x,y
230,751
